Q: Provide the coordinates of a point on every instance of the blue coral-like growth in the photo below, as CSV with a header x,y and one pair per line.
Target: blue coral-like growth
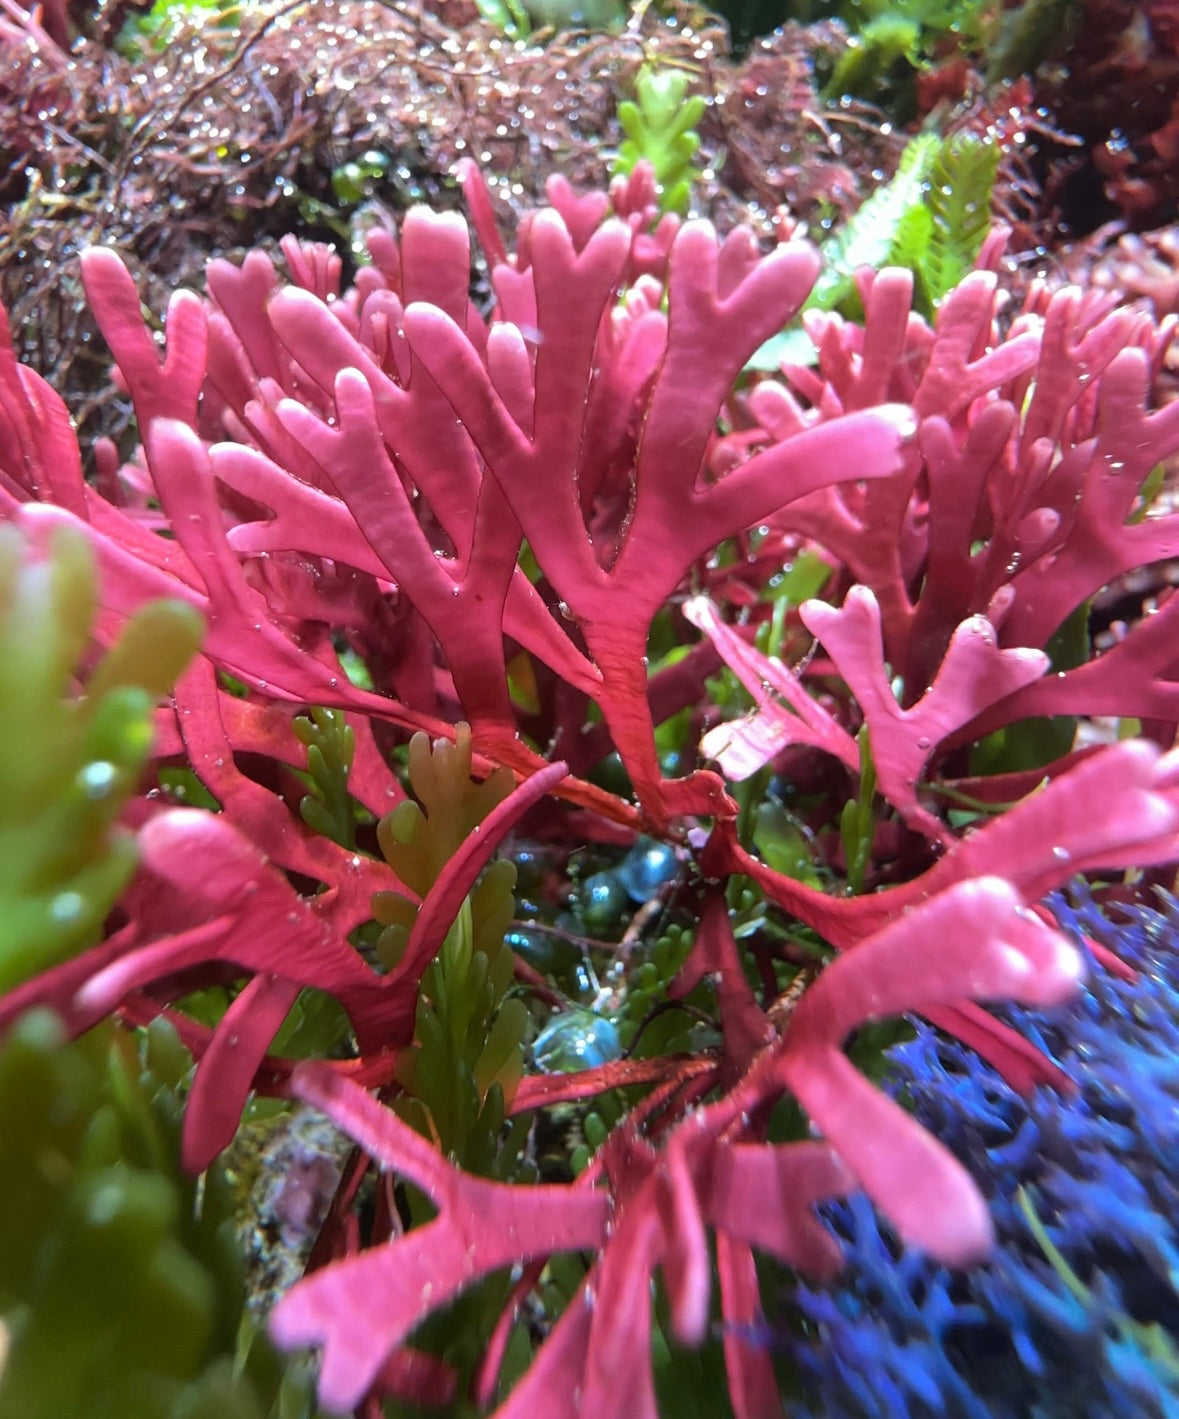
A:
x,y
1078,1313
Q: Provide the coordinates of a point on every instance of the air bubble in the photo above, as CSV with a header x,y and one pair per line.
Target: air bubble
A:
x,y
67,908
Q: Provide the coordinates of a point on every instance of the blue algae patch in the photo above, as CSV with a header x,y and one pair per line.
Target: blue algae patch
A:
x,y
1077,1314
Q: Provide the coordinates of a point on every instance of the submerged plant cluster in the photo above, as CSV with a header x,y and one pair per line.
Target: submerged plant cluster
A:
x,y
542,765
